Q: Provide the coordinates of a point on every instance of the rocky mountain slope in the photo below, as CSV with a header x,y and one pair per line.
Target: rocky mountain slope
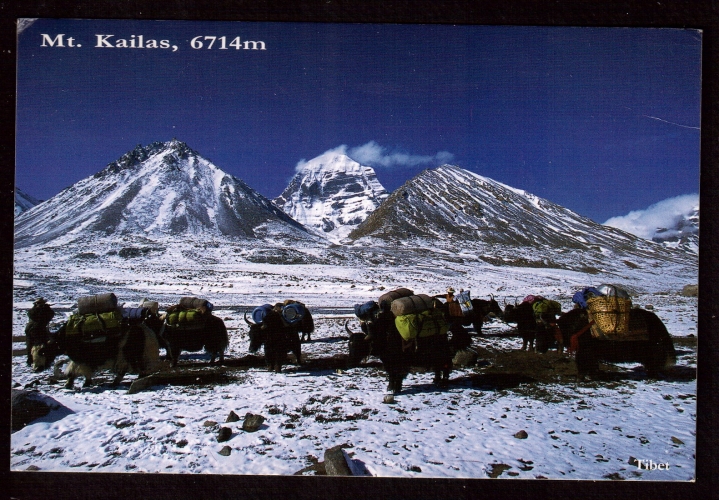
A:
x,y
331,195
164,189
460,210
24,201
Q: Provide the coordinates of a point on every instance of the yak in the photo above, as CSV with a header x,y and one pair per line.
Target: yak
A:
x,y
380,338
653,347
278,338
305,326
208,333
135,349
530,327
481,309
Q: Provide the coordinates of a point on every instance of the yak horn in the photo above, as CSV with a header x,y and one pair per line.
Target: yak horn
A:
x,y
348,328
491,296
247,320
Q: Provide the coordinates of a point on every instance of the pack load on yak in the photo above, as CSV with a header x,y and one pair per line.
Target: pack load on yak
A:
x,y
582,296
465,302
542,307
259,313
416,316
366,310
393,295
609,313
411,304
190,313
293,312
98,318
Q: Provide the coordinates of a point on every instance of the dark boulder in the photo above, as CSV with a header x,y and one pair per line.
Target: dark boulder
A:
x,y
28,406
252,422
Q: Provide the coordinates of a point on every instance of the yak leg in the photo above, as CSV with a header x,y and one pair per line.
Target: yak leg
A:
x,y
395,383
72,371
174,355
220,357
118,378
297,351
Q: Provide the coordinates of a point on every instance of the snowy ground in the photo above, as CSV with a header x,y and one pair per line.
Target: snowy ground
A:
x,y
574,430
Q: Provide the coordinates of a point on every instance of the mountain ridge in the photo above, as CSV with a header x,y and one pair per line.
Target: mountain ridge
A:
x,y
163,188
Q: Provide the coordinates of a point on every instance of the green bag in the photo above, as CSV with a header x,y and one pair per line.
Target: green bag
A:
x,y
188,318
546,306
92,325
424,324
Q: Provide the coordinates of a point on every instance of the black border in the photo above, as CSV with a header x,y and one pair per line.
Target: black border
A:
x,y
699,14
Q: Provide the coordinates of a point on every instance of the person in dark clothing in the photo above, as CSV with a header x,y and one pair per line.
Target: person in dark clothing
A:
x,y
460,338
36,330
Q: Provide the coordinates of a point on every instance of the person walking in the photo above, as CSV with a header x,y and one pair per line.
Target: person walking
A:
x,y
36,329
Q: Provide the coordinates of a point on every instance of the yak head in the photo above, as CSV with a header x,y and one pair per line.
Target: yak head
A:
x,y
43,355
493,308
359,346
257,333
260,332
511,311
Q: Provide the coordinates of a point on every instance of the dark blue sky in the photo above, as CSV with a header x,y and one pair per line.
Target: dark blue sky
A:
x,y
602,121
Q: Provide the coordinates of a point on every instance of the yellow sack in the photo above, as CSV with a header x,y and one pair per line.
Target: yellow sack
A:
x,y
424,324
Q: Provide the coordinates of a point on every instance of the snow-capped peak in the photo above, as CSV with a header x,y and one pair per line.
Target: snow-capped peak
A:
x,y
332,194
165,188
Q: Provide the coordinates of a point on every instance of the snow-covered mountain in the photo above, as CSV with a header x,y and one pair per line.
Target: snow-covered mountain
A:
x,y
674,222
457,209
331,195
164,189
24,201
684,234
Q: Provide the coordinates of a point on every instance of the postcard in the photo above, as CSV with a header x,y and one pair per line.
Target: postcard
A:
x,y
381,250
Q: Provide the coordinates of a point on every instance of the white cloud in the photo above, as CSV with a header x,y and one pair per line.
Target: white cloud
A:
x,y
665,214
375,155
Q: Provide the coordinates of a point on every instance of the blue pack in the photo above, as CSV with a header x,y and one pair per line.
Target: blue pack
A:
x,y
135,314
259,313
465,302
582,296
293,313
365,311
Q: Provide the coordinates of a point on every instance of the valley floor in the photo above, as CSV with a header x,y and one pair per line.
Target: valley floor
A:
x,y
512,415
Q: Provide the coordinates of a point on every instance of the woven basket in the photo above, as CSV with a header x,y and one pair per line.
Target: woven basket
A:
x,y
610,315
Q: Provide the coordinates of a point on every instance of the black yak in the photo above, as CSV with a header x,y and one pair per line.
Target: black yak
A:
x,y
380,338
134,348
650,344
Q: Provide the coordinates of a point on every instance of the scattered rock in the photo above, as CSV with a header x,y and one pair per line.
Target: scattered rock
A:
x,y
497,470
677,440
225,451
336,462
388,399
690,291
252,422
614,476
232,417
209,423
521,434
649,307
633,461
33,467
224,435
415,468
